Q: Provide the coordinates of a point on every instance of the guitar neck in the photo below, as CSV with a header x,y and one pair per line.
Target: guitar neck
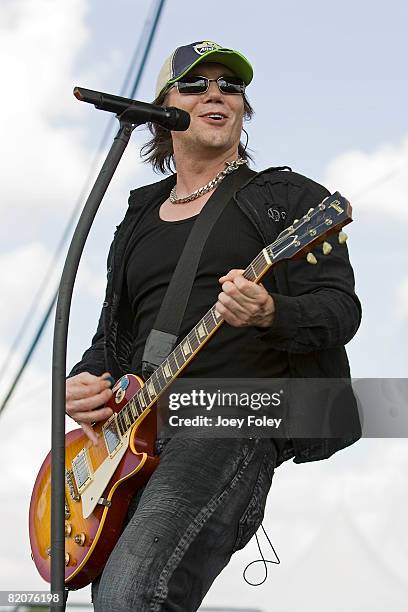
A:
x,y
184,352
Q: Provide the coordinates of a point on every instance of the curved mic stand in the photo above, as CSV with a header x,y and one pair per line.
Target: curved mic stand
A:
x,y
60,350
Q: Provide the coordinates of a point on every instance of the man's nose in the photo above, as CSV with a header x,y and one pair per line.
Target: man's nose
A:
x,y
213,91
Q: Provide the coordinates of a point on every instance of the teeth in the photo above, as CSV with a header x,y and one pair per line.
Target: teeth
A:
x,y
215,116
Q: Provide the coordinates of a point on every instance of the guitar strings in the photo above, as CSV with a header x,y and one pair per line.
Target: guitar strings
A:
x,y
208,319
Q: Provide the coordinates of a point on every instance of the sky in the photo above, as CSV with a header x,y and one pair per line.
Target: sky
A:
x,y
330,100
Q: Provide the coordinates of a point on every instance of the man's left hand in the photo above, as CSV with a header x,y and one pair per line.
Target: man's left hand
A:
x,y
243,303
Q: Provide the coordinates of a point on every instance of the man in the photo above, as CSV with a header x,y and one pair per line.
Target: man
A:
x,y
207,497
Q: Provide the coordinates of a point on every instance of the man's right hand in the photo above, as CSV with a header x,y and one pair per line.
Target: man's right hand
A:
x,y
86,395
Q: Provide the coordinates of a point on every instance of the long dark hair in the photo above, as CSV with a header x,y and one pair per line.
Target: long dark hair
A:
x,y
159,149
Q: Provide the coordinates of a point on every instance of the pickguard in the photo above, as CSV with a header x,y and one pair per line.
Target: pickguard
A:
x,y
101,477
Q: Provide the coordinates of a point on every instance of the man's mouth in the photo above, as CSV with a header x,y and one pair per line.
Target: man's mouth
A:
x,y
214,117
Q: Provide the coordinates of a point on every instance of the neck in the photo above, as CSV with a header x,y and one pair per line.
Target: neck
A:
x,y
194,172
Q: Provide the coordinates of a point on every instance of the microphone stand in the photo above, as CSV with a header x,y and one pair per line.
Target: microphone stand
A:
x,y
128,121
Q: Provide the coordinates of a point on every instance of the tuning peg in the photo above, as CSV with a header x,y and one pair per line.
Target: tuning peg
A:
x,y
311,259
327,248
310,211
295,220
342,237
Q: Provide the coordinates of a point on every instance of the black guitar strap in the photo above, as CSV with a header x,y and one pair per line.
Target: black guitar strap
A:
x,y
163,337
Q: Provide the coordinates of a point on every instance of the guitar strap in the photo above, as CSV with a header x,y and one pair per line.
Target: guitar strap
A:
x,y
163,337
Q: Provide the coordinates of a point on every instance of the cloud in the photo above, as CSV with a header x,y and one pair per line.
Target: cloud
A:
x,y
22,272
401,300
376,181
41,163
43,150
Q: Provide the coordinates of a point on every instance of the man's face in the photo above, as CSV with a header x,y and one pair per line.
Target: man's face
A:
x,y
212,135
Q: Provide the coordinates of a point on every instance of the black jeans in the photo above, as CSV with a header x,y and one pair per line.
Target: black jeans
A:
x,y
205,500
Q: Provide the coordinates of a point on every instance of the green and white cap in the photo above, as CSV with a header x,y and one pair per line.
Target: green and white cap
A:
x,y
183,59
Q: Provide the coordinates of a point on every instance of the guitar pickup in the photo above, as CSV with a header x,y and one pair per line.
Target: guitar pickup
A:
x,y
113,439
81,471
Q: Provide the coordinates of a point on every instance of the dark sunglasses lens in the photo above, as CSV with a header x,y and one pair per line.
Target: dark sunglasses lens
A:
x,y
192,85
231,85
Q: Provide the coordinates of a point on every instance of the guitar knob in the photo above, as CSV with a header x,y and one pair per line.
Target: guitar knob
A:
x,y
342,237
68,529
311,259
67,558
327,248
80,539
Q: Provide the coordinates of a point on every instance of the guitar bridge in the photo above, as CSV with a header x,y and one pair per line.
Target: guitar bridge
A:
x,y
67,511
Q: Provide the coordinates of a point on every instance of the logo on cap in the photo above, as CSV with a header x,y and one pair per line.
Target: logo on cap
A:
x,y
205,46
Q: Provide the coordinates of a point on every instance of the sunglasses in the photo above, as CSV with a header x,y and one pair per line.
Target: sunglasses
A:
x,y
200,84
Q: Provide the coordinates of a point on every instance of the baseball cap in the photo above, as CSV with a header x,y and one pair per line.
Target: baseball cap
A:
x,y
185,58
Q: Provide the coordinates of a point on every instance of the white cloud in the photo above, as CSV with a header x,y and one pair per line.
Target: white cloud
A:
x,y
90,283
401,300
41,163
21,273
23,269
43,151
376,181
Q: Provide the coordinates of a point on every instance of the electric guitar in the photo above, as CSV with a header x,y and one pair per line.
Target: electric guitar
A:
x,y
101,480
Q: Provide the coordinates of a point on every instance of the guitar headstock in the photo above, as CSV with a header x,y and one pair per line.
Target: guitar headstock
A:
x,y
333,213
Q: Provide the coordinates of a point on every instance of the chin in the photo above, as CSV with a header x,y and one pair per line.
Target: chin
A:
x,y
210,142
215,143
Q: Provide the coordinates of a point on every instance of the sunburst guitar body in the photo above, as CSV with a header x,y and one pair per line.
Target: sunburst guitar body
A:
x,y
100,481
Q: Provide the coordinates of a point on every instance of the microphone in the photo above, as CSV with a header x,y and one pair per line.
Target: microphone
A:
x,y
169,117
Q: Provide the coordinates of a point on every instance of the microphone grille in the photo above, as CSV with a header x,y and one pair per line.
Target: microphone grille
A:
x,y
180,119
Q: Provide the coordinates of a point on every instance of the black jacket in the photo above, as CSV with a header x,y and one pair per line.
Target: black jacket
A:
x,y
317,310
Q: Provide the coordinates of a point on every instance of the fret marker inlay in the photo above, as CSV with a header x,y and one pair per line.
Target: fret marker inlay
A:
x,y
201,331
186,349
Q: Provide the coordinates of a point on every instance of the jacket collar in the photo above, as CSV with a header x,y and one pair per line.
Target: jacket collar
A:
x,y
150,192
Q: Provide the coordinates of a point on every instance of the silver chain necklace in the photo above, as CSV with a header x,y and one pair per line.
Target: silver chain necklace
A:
x,y
230,167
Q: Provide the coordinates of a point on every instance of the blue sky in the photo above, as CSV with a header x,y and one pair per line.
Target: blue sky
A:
x,y
330,95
